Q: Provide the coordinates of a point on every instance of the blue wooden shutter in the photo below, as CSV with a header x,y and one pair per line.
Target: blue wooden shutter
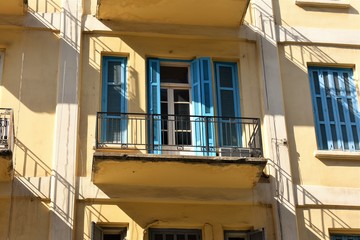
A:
x,y
335,108
154,106
202,104
114,100
228,104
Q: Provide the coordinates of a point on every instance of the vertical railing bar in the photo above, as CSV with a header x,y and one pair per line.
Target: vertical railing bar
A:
x,y
207,135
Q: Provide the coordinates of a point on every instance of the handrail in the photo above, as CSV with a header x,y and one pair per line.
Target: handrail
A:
x,y
185,134
6,130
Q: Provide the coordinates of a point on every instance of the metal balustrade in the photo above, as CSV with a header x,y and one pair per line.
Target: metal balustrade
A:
x,y
181,135
6,130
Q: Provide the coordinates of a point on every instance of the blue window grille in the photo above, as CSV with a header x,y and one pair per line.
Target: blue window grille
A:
x,y
335,108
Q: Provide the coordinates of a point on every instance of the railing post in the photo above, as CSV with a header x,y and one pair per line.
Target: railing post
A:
x,y
97,131
207,135
260,137
151,133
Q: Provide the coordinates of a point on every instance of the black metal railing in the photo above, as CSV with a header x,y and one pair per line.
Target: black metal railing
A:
x,y
171,134
6,130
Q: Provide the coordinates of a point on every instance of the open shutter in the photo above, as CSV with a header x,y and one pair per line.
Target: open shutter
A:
x,y
202,103
257,235
154,106
114,100
228,104
96,232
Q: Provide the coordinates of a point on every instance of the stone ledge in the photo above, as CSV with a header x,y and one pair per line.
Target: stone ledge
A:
x,y
323,3
336,155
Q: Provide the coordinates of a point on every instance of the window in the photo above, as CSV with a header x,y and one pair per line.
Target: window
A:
x,y
107,232
344,237
245,235
182,92
114,99
175,234
335,108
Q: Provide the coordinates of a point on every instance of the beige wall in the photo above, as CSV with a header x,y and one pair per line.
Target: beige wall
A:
x,y
29,86
137,49
300,119
317,223
319,17
140,216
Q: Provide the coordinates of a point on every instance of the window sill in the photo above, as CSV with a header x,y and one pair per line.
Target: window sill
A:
x,y
336,155
323,3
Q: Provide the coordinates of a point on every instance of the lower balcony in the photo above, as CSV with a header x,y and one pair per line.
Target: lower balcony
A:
x,y
179,151
6,143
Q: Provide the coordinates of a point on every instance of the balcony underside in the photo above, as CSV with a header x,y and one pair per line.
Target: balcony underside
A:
x,y
116,168
12,7
5,165
226,13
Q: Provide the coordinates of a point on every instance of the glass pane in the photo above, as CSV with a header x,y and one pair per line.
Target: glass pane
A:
x,y
316,82
172,74
165,139
169,237
182,123
112,237
114,98
182,138
181,95
163,95
226,76
227,103
114,72
180,237
191,237
182,109
158,237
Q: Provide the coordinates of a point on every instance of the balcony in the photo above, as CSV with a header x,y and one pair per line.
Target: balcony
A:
x,y
6,143
213,152
13,7
225,13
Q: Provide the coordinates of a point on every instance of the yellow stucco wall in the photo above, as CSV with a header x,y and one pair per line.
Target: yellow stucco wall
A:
x,y
28,86
318,223
300,119
318,17
138,217
137,49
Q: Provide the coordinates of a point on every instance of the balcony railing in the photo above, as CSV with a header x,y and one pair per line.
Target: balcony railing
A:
x,y
182,135
6,130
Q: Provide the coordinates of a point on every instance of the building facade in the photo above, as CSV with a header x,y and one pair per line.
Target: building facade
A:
x,y
180,120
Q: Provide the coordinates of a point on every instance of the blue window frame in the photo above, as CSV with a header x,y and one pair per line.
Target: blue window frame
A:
x,y
335,107
202,103
175,234
344,237
114,99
